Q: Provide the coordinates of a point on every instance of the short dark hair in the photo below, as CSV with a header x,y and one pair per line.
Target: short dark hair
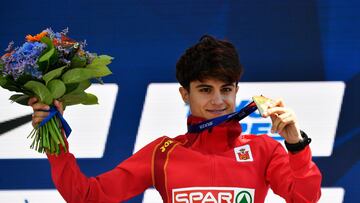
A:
x,y
209,58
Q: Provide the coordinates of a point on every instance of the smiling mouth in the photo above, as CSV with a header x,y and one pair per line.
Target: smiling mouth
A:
x,y
216,111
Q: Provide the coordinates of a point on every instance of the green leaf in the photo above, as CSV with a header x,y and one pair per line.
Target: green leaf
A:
x,y
90,99
77,95
76,75
99,66
83,85
74,98
20,99
49,51
9,84
57,88
49,56
78,62
13,88
102,59
24,79
100,71
2,80
77,87
53,74
40,90
96,69
71,87
1,66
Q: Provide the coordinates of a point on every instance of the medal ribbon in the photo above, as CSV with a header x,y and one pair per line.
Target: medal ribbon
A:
x,y
239,115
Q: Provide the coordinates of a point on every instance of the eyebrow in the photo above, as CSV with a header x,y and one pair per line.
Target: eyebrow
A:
x,y
228,84
205,85
202,85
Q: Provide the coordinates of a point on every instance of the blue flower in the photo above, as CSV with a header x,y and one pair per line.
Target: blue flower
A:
x,y
23,61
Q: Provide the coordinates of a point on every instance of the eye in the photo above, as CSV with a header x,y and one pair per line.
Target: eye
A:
x,y
205,89
226,89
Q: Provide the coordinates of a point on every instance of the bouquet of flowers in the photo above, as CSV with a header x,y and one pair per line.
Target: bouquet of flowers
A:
x,y
51,66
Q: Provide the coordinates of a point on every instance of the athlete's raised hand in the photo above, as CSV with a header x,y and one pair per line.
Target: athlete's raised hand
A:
x,y
284,121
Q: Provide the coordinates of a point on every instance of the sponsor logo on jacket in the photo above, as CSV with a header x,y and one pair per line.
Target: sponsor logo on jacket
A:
x,y
213,195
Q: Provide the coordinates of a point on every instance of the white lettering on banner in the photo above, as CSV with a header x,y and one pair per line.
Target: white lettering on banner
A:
x,y
90,123
165,113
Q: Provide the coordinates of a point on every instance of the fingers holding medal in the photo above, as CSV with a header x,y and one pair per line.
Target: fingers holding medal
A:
x,y
283,119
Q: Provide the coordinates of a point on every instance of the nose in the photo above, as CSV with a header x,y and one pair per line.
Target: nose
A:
x,y
217,98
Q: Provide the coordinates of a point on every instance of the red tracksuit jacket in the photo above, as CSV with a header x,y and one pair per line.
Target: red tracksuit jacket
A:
x,y
217,165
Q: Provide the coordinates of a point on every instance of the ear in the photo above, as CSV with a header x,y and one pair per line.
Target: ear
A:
x,y
184,94
237,89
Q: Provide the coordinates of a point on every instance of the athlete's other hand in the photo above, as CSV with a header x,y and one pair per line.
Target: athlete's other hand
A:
x,y
40,110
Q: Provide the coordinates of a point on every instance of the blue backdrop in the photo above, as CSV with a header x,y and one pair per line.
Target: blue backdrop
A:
x,y
277,40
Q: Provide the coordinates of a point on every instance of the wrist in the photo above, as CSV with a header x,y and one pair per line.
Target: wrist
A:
x,y
300,144
294,139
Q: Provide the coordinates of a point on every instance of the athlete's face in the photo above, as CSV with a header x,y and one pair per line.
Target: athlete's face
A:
x,y
210,98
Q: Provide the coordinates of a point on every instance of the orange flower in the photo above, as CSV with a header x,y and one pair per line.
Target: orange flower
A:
x,y
36,38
